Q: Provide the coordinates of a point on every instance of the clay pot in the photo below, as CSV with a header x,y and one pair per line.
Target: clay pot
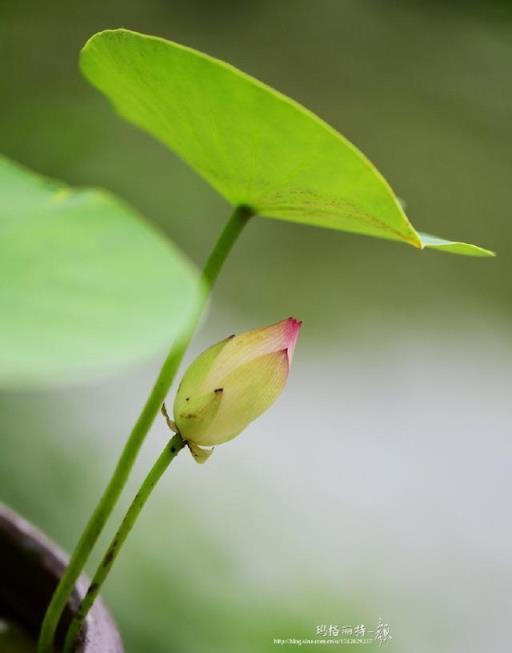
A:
x,y
30,567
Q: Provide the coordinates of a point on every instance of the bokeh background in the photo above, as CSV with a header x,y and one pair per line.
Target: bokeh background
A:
x,y
379,485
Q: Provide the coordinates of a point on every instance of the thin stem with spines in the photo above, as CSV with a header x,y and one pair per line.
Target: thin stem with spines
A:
x,y
108,500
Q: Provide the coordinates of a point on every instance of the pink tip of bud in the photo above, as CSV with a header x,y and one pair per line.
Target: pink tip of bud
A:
x,y
292,333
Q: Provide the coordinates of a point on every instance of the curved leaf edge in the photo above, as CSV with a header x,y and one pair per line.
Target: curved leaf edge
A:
x,y
62,190
454,246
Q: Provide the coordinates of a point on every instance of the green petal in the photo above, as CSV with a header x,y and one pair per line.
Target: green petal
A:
x,y
247,392
193,414
199,454
194,380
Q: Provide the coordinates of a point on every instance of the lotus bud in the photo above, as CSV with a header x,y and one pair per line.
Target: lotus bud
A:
x,y
232,383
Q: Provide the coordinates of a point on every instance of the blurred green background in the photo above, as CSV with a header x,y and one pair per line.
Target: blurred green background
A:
x,y
379,485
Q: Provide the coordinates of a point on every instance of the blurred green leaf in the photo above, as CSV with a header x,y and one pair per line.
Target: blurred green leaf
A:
x,y
86,285
254,145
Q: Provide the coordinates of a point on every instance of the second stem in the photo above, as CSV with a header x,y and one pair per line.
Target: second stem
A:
x,y
163,461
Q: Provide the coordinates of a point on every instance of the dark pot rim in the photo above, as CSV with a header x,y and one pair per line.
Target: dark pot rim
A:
x,y
30,567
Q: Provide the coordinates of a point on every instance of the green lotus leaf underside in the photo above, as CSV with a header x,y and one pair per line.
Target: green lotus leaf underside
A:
x,y
254,145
